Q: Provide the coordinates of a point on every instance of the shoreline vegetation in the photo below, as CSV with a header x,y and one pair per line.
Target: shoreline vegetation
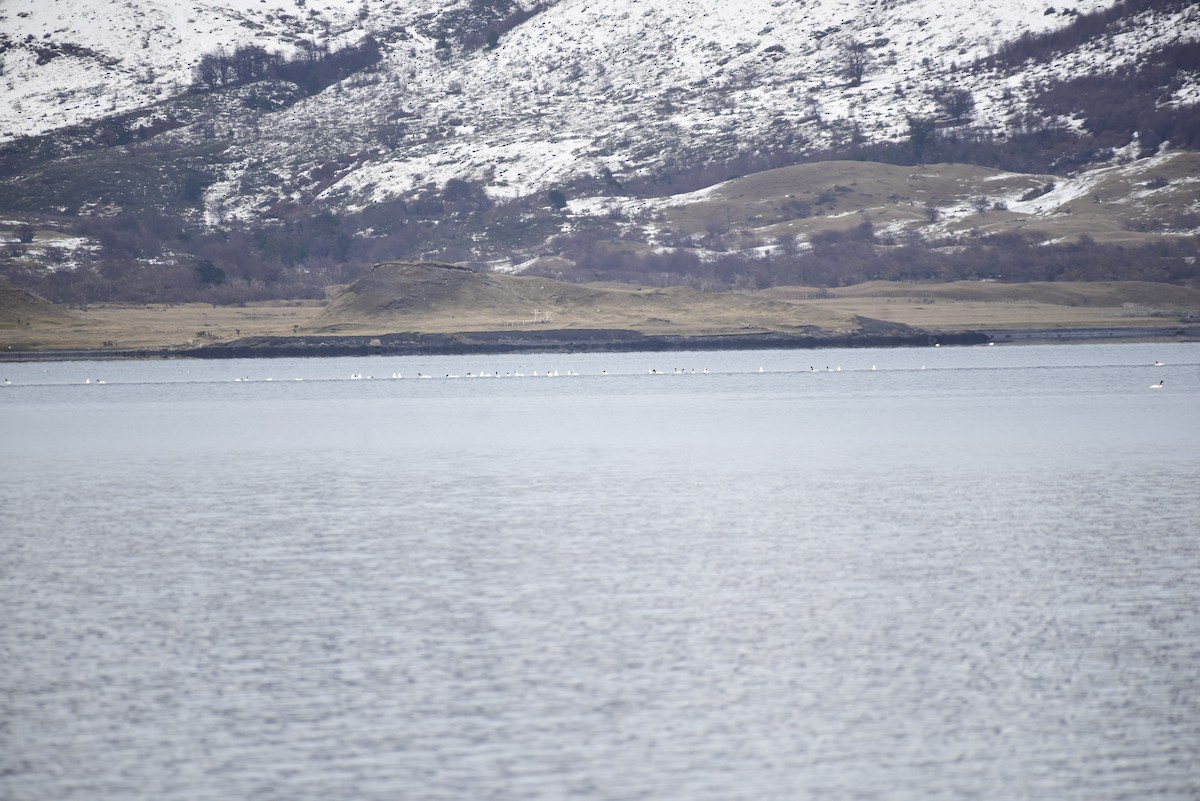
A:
x,y
424,308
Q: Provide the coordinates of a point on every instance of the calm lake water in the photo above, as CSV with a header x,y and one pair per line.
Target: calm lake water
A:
x,y
965,573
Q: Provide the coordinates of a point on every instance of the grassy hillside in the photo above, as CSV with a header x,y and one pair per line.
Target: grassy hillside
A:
x,y
436,298
1129,204
431,298
20,309
427,298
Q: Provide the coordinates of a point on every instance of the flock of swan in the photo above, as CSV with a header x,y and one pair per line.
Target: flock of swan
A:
x,y
554,373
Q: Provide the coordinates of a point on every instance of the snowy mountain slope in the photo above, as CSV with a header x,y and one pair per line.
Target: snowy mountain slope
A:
x,y
582,89
584,96
69,61
621,91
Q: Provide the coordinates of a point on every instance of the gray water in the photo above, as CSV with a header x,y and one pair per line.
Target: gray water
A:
x,y
965,573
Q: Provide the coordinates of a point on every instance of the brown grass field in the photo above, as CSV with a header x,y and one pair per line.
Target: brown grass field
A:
x,y
435,299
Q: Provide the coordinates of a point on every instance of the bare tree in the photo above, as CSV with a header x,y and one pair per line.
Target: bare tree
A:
x,y
854,60
954,102
214,69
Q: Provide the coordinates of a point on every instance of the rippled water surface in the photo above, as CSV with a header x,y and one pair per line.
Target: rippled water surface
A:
x,y
965,573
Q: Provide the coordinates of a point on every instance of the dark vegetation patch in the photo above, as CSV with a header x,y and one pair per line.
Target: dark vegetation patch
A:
x,y
482,23
315,68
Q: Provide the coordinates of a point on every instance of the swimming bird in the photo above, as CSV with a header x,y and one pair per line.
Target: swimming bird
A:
x,y
1159,385
1157,363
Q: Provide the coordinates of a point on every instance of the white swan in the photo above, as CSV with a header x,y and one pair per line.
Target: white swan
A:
x,y
1159,385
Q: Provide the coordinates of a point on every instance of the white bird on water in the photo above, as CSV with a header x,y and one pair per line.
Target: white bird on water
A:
x,y
1159,385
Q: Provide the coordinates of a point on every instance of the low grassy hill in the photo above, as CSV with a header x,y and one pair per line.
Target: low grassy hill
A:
x,y
440,298
22,309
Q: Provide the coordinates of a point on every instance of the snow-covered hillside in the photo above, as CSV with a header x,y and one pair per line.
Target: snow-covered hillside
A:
x,y
582,87
588,86
70,61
